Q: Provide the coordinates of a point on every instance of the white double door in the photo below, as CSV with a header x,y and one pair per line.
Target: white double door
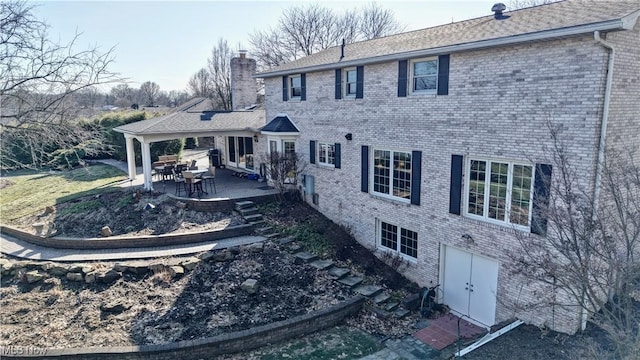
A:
x,y
470,284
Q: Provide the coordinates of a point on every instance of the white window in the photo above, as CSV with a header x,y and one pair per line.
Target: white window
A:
x,y
326,154
398,239
499,191
424,76
350,82
392,173
295,86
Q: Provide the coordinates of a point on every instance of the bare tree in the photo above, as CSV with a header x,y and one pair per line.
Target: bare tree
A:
x,y
200,84
284,170
38,78
89,97
219,66
214,81
177,97
124,95
377,22
590,254
149,92
305,30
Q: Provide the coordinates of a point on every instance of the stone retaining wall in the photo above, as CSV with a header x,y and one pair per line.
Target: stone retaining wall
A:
x,y
203,348
223,205
116,242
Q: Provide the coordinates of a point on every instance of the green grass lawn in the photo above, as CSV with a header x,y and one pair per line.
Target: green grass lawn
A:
x,y
30,192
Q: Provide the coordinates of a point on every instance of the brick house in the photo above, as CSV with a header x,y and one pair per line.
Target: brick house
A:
x,y
417,141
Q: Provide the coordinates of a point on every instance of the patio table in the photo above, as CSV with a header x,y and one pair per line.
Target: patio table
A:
x,y
194,180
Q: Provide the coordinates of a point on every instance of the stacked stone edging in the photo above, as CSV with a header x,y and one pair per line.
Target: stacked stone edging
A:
x,y
223,205
212,346
116,242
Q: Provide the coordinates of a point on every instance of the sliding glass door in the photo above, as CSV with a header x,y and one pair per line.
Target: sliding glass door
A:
x,y
241,152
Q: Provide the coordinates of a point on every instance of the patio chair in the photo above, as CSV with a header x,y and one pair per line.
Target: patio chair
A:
x,y
210,178
192,183
179,181
167,172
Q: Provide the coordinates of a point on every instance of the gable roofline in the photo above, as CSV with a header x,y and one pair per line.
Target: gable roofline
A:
x,y
625,23
278,119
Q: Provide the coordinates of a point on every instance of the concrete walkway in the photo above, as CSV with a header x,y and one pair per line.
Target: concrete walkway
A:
x,y
22,249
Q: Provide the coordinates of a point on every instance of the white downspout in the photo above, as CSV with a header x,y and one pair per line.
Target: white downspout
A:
x,y
603,138
605,117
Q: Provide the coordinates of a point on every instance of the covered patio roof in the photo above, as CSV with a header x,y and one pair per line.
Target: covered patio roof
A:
x,y
194,119
193,124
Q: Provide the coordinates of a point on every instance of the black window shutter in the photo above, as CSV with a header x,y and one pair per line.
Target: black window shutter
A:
x,y
541,190
402,78
337,155
359,82
338,83
285,89
455,187
364,173
303,87
443,74
416,171
312,151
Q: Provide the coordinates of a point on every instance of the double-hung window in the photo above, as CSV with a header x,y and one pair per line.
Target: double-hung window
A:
x,y
326,154
295,86
398,239
500,191
424,76
392,173
350,82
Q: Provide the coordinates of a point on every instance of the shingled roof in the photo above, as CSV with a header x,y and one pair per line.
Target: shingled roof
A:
x,y
280,124
565,18
189,122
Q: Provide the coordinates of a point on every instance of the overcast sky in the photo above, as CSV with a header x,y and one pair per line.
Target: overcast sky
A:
x,y
168,41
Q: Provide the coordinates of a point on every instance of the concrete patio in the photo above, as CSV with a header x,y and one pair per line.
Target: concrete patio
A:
x,y
227,185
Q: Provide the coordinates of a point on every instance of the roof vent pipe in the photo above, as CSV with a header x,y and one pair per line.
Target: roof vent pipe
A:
x,y
497,10
342,50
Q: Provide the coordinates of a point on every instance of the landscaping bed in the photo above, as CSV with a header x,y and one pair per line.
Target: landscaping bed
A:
x,y
161,307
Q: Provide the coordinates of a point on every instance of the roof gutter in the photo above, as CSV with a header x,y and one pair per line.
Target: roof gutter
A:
x,y
618,24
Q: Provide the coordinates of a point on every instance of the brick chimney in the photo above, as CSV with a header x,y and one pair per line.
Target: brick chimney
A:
x,y
244,88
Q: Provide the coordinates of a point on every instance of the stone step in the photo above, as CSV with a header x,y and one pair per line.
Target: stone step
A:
x,y
272,235
338,273
368,290
264,230
351,281
306,256
257,222
252,219
391,306
322,264
244,204
295,248
381,298
248,211
401,313
286,240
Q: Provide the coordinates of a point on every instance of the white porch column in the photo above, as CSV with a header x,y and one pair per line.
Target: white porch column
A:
x,y
146,166
131,157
